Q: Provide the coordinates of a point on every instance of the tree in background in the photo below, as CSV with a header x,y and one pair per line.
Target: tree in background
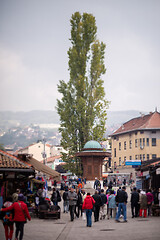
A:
x,y
83,106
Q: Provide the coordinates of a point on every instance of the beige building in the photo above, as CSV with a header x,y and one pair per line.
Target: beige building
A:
x,y
41,151
137,139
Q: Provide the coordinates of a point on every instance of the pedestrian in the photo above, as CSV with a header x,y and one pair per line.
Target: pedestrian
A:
x,y
88,205
112,204
134,202
15,195
122,202
21,215
72,202
102,208
98,203
150,200
8,219
143,204
65,201
55,198
97,183
78,207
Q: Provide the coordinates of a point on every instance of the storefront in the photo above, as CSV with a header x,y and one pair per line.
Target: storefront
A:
x,y
149,174
13,174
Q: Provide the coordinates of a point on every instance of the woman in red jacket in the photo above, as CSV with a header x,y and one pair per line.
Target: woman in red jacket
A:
x,y
20,215
88,205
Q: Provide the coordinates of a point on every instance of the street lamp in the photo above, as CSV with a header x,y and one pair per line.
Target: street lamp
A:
x,y
44,155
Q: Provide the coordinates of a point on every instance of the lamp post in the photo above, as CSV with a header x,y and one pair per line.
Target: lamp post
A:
x,y
44,155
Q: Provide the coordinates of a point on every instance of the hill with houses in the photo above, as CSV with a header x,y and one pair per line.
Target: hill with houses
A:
x,y
19,129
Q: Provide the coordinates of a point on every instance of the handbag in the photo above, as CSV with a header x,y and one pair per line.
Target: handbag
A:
x,y
23,211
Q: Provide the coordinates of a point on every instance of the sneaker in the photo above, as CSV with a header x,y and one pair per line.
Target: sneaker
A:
x,y
125,221
117,220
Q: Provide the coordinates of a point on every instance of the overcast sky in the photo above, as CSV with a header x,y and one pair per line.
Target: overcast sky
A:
x,y
34,40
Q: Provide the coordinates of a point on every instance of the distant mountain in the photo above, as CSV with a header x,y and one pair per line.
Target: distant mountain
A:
x,y
19,129
11,119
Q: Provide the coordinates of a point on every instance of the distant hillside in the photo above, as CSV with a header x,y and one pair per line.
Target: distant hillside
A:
x,y
19,129
11,119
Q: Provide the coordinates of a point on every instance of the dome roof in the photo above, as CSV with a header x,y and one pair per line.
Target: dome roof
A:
x,y
92,144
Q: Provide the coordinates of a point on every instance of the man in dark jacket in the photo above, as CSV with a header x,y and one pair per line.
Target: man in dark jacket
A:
x,y
121,199
134,202
104,201
98,203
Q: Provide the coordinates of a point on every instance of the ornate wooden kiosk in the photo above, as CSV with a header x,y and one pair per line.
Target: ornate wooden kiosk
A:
x,y
92,156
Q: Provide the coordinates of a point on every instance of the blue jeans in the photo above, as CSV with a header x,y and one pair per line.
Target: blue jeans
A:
x,y
121,206
89,217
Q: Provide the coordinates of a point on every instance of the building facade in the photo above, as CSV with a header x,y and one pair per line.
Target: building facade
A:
x,y
137,139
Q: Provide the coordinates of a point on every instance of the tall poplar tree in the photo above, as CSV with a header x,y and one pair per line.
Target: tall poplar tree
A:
x,y
82,108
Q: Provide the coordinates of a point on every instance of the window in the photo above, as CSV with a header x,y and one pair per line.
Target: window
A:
x,y
114,152
115,165
143,142
147,144
147,156
130,158
125,145
119,161
124,159
120,146
130,144
114,138
135,133
141,132
154,156
153,142
140,156
136,143
140,142
136,157
143,157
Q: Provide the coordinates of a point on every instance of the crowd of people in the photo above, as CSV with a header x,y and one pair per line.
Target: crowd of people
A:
x,y
104,203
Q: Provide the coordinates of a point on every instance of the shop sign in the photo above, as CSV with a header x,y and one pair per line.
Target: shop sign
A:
x,y
158,171
133,162
145,173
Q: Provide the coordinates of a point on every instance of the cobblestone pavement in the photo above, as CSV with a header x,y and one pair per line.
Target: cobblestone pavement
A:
x,y
64,229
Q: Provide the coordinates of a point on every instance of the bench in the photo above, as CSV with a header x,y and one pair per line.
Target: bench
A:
x,y
156,210
52,212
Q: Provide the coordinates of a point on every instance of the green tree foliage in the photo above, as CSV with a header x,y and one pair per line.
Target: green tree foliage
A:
x,y
82,108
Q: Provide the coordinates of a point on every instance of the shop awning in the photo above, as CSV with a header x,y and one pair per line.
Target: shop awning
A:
x,y
40,167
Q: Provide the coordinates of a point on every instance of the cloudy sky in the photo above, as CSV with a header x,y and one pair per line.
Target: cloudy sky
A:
x,y
34,40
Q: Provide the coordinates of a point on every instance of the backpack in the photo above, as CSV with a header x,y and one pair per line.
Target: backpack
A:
x,y
65,196
58,196
7,218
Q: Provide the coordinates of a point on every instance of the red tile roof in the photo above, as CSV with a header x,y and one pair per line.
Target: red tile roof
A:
x,y
150,121
9,161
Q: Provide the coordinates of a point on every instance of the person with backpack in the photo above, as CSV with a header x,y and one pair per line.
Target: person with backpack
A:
x,y
102,207
78,207
7,219
21,215
56,197
98,203
65,201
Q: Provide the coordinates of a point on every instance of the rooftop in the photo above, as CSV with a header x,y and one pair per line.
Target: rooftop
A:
x,y
144,122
